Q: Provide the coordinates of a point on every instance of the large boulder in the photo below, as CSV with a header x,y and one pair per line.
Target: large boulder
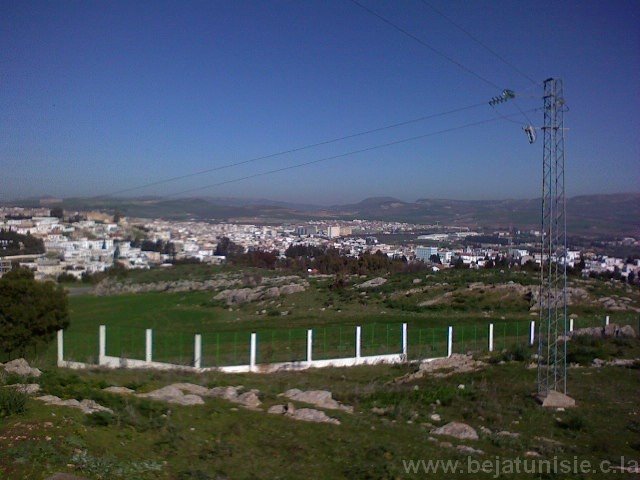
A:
x,y
86,406
458,430
26,388
21,367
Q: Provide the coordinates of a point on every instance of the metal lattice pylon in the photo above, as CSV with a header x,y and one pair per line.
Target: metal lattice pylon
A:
x,y
552,363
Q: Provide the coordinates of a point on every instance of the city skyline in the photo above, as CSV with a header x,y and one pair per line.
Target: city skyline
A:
x,y
99,98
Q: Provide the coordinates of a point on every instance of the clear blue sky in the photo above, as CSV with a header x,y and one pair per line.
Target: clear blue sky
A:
x,y
100,96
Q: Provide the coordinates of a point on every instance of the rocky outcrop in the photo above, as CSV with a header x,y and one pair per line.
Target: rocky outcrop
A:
x,y
373,283
247,295
86,406
319,398
26,388
21,367
458,430
444,367
119,390
172,394
114,287
608,331
302,414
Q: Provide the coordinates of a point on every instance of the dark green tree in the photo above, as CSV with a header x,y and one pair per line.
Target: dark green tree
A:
x,y
57,212
30,311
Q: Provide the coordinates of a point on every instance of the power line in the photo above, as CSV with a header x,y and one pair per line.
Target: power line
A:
x,y
481,43
342,155
293,150
425,44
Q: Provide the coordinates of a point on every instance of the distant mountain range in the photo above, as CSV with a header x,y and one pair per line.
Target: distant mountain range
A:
x,y
587,215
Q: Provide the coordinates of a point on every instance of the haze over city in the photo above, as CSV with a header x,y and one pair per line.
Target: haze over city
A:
x,y
102,97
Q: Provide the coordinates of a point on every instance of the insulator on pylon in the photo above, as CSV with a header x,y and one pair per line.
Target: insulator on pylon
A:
x,y
531,133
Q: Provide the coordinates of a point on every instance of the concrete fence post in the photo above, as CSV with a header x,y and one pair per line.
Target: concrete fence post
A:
x,y
532,333
491,337
197,350
404,339
358,340
309,345
571,324
148,345
60,347
450,342
102,344
606,320
252,352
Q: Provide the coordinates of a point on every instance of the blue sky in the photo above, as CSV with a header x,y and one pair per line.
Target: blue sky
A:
x,y
102,96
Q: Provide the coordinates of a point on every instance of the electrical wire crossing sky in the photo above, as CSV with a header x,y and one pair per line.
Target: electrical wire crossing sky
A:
x,y
271,99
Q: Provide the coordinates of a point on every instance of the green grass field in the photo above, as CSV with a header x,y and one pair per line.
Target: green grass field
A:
x,y
176,317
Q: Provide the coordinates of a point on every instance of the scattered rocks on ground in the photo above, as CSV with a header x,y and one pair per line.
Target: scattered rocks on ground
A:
x,y
617,362
26,388
458,430
86,406
319,398
373,283
21,367
612,330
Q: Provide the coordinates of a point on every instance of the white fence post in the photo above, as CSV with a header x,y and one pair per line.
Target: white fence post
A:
x,y
102,344
571,324
252,353
309,345
197,350
532,333
148,347
404,340
60,347
606,321
358,338
450,342
491,337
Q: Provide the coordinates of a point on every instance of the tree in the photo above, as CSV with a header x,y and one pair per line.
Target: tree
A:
x,y
435,258
227,248
57,212
30,311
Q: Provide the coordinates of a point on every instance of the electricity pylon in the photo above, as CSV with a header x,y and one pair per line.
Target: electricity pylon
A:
x,y
552,350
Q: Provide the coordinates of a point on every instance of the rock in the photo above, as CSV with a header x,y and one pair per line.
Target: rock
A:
x,y
456,363
292,288
458,430
485,430
435,417
461,387
611,330
532,454
598,362
373,283
555,399
21,367
381,411
86,406
319,398
417,281
191,388
26,388
119,390
312,415
249,399
277,409
171,394
469,450
504,433
227,393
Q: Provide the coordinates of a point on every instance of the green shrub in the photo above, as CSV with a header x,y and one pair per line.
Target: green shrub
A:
x,y
573,422
12,402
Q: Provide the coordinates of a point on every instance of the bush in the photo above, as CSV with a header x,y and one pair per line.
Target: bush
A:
x,y
12,402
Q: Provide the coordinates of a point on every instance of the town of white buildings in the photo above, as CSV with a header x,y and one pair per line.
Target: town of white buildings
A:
x,y
90,242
